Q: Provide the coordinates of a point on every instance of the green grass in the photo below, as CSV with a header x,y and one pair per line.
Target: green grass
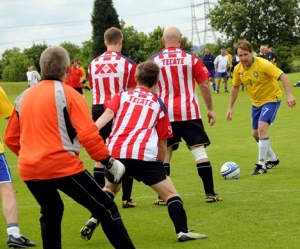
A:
x,y
257,211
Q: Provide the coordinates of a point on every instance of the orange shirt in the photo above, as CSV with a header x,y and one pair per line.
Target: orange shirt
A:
x,y
47,128
74,76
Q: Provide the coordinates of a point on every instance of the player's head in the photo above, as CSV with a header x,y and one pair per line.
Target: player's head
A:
x,y
147,74
206,51
54,62
113,36
244,51
171,37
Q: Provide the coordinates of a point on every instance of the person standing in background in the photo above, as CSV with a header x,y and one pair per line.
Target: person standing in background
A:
x,y
208,60
75,77
85,87
28,75
34,77
221,67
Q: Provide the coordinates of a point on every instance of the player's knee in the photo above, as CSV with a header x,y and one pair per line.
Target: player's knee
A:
x,y
199,153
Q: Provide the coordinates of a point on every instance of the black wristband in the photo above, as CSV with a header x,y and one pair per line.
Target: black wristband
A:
x,y
106,161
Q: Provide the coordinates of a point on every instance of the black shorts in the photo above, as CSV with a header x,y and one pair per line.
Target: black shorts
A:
x,y
148,172
191,131
97,111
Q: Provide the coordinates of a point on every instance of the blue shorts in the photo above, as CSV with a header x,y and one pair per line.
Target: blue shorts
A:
x,y
222,75
265,113
212,72
5,175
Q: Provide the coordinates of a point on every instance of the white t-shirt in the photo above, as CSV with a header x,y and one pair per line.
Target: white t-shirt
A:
x,y
34,78
222,62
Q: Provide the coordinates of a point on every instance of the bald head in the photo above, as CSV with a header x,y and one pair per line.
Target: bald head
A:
x,y
171,37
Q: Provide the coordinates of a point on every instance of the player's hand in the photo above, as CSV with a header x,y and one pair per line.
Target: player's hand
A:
x,y
229,115
291,101
211,118
116,168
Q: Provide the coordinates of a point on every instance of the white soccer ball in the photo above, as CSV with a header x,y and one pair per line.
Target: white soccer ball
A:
x,y
230,170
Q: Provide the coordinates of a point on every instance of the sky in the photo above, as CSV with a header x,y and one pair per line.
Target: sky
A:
x,y
24,23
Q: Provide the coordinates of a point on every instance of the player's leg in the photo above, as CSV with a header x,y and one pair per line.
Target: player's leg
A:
x,y
167,191
52,208
225,82
266,118
83,188
10,207
196,139
127,184
219,82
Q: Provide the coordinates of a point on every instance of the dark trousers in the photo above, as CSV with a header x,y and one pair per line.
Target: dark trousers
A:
x,y
84,190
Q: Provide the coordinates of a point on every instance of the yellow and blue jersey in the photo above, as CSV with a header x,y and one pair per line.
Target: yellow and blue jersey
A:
x,y
260,81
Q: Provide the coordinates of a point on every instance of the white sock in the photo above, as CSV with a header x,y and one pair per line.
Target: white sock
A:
x,y
263,147
14,230
272,156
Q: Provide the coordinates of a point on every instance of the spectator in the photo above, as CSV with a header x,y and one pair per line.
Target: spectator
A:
x,y
75,77
221,67
208,60
230,68
48,146
86,88
34,77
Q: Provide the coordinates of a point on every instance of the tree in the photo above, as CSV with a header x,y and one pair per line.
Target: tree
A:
x,y
273,22
17,68
104,16
34,54
73,49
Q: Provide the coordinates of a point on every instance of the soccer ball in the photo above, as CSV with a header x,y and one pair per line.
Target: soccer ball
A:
x,y
230,170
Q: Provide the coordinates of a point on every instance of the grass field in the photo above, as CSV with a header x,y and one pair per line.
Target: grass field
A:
x,y
256,211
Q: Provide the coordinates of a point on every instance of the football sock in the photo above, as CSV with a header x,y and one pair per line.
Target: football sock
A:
x,y
263,146
272,156
13,229
99,176
177,214
205,172
127,183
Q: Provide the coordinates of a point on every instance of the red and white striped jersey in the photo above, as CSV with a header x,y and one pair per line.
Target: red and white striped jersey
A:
x,y
180,71
140,122
110,73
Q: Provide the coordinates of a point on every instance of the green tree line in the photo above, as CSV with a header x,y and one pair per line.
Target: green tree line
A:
x,y
272,22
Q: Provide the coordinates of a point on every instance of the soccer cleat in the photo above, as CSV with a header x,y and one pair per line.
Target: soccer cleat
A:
x,y
88,229
212,198
226,91
160,202
272,164
20,242
190,235
259,170
129,204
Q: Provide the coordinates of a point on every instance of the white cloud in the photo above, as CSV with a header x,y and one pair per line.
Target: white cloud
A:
x,y
24,23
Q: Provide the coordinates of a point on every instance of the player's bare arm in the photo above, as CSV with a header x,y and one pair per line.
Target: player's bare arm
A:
x,y
105,118
290,100
205,90
162,149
